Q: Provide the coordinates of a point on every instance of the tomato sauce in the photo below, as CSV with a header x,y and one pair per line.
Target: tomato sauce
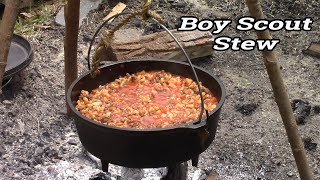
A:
x,y
145,100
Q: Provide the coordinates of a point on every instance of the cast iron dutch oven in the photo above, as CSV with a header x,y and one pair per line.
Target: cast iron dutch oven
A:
x,y
145,148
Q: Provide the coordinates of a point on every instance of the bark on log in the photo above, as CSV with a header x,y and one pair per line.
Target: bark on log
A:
x,y
11,12
72,9
282,98
160,46
313,50
22,3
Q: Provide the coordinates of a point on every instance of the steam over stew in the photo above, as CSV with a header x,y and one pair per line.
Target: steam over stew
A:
x,y
155,99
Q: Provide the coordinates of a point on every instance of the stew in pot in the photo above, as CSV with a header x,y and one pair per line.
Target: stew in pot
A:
x,y
155,99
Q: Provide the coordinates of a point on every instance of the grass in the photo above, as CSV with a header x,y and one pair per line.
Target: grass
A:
x,y
41,12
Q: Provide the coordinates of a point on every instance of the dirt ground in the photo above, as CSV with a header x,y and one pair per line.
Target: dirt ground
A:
x,y
38,141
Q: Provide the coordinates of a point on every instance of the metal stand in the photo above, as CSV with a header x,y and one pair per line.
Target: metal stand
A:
x,y
105,166
195,161
177,172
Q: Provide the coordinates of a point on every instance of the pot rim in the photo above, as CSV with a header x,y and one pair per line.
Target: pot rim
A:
x,y
24,42
189,125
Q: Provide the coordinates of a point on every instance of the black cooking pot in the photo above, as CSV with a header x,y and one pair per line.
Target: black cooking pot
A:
x,y
148,148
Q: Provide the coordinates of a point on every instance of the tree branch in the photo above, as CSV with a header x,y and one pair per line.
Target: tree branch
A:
x,y
10,15
71,12
282,98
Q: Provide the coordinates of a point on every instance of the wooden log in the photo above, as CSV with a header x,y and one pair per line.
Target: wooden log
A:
x,y
10,15
282,98
158,45
22,3
313,49
72,10
115,10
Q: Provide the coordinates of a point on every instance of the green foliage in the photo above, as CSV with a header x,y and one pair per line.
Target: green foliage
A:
x,y
35,16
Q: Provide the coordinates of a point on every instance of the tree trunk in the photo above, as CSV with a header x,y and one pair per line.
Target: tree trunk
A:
x,y
72,9
11,12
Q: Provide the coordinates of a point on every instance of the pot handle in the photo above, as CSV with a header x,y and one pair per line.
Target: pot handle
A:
x,y
106,23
